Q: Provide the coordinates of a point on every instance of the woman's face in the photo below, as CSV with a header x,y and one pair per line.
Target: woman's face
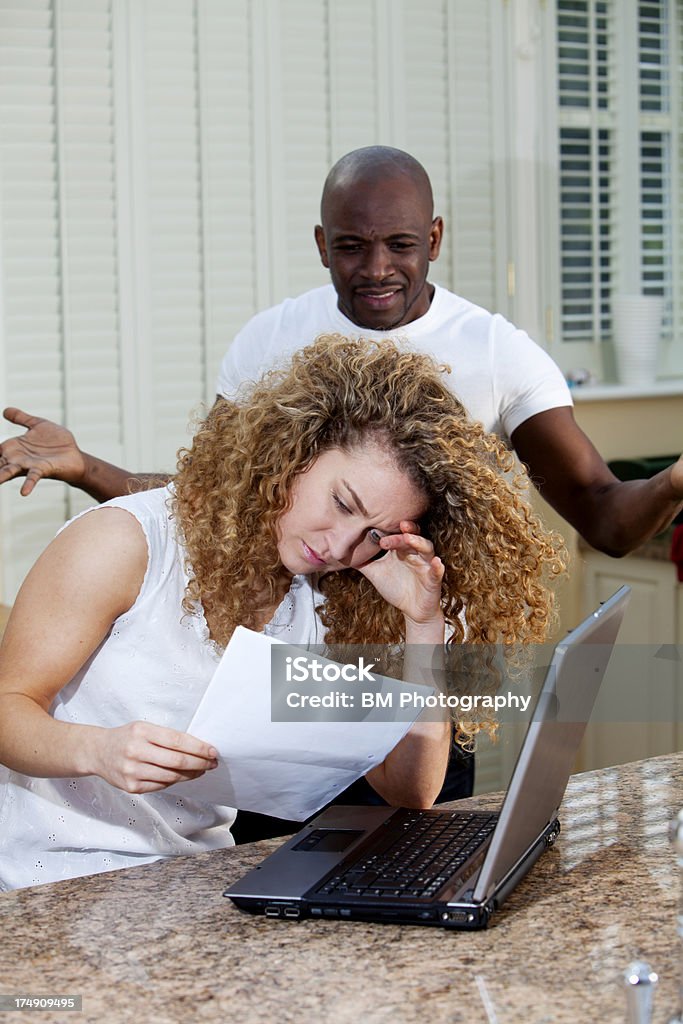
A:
x,y
341,507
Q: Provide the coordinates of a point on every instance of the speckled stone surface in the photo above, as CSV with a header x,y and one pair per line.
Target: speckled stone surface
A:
x,y
159,943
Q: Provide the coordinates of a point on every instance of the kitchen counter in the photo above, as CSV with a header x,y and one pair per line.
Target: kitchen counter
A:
x,y
160,943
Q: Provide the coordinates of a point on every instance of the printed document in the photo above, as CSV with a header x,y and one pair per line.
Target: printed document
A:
x,y
289,769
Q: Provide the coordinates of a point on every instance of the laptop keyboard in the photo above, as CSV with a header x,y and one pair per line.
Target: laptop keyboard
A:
x,y
424,850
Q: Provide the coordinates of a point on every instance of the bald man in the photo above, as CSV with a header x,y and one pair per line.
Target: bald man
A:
x,y
377,238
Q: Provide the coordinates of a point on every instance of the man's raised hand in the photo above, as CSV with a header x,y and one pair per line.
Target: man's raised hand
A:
x,y
46,451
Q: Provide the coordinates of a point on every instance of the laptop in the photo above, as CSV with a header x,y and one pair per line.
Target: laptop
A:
x,y
446,868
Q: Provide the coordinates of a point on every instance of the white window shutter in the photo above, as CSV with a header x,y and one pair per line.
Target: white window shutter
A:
x,y
353,75
661,104
420,77
57,244
227,176
587,167
161,163
619,209
86,187
476,217
423,93
168,167
674,353
304,137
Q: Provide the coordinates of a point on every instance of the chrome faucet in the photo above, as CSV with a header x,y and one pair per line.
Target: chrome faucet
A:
x,y
639,981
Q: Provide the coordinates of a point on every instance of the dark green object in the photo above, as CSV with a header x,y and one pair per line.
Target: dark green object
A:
x,y
643,469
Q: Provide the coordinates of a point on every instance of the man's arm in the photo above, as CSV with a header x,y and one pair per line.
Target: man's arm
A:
x,y
49,451
613,516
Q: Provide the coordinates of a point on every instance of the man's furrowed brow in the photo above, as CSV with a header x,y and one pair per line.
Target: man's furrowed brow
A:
x,y
397,236
347,236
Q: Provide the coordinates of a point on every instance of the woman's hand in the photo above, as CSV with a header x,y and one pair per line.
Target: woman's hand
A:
x,y
409,577
141,757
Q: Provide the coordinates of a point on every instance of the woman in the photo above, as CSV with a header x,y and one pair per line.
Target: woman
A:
x,y
346,498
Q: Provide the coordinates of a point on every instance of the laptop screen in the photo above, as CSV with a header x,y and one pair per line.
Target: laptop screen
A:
x,y
552,741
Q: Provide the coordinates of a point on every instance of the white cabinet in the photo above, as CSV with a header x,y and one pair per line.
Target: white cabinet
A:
x,y
640,703
639,709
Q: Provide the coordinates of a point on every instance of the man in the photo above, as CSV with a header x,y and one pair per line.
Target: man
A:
x,y
377,238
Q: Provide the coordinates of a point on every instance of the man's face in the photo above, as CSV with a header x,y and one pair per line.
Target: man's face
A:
x,y
377,242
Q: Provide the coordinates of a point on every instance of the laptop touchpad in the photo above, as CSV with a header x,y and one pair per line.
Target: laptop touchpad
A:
x,y
329,840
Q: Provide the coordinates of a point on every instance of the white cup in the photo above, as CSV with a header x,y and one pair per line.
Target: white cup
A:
x,y
636,330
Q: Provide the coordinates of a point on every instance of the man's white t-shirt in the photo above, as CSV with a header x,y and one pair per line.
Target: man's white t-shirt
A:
x,y
499,374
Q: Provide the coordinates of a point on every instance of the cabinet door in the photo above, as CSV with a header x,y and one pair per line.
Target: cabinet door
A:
x,y
637,711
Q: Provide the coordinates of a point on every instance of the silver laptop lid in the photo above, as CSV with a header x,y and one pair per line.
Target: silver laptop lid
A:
x,y
552,741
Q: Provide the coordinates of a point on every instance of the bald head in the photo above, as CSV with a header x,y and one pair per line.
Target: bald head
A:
x,y
374,165
378,236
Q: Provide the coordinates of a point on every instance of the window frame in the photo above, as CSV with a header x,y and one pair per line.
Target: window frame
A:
x,y
596,355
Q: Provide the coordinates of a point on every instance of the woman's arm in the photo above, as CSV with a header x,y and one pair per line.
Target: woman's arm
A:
x,y
89,575
409,577
413,773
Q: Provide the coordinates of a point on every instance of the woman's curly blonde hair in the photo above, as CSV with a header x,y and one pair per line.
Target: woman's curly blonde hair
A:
x,y
236,479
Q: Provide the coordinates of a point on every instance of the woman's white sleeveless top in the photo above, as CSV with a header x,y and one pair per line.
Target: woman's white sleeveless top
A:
x,y
154,665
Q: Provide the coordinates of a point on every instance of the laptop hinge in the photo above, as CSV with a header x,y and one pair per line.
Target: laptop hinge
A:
x,y
500,891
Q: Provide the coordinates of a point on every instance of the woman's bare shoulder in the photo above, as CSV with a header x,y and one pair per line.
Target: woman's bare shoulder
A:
x,y
96,564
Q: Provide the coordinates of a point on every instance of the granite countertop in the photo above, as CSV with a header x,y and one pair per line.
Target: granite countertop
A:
x,y
160,943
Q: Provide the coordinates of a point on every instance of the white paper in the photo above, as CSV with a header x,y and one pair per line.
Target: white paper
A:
x,y
285,769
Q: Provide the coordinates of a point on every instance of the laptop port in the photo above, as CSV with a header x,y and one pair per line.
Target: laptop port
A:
x,y
291,912
460,916
272,911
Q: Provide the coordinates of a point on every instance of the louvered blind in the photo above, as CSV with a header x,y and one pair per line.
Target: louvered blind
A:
x,y
420,77
475,232
170,176
305,151
427,103
86,190
619,98
161,163
656,144
57,243
227,175
586,141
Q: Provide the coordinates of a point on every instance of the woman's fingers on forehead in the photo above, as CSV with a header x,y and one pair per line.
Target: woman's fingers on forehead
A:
x,y
394,541
409,526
